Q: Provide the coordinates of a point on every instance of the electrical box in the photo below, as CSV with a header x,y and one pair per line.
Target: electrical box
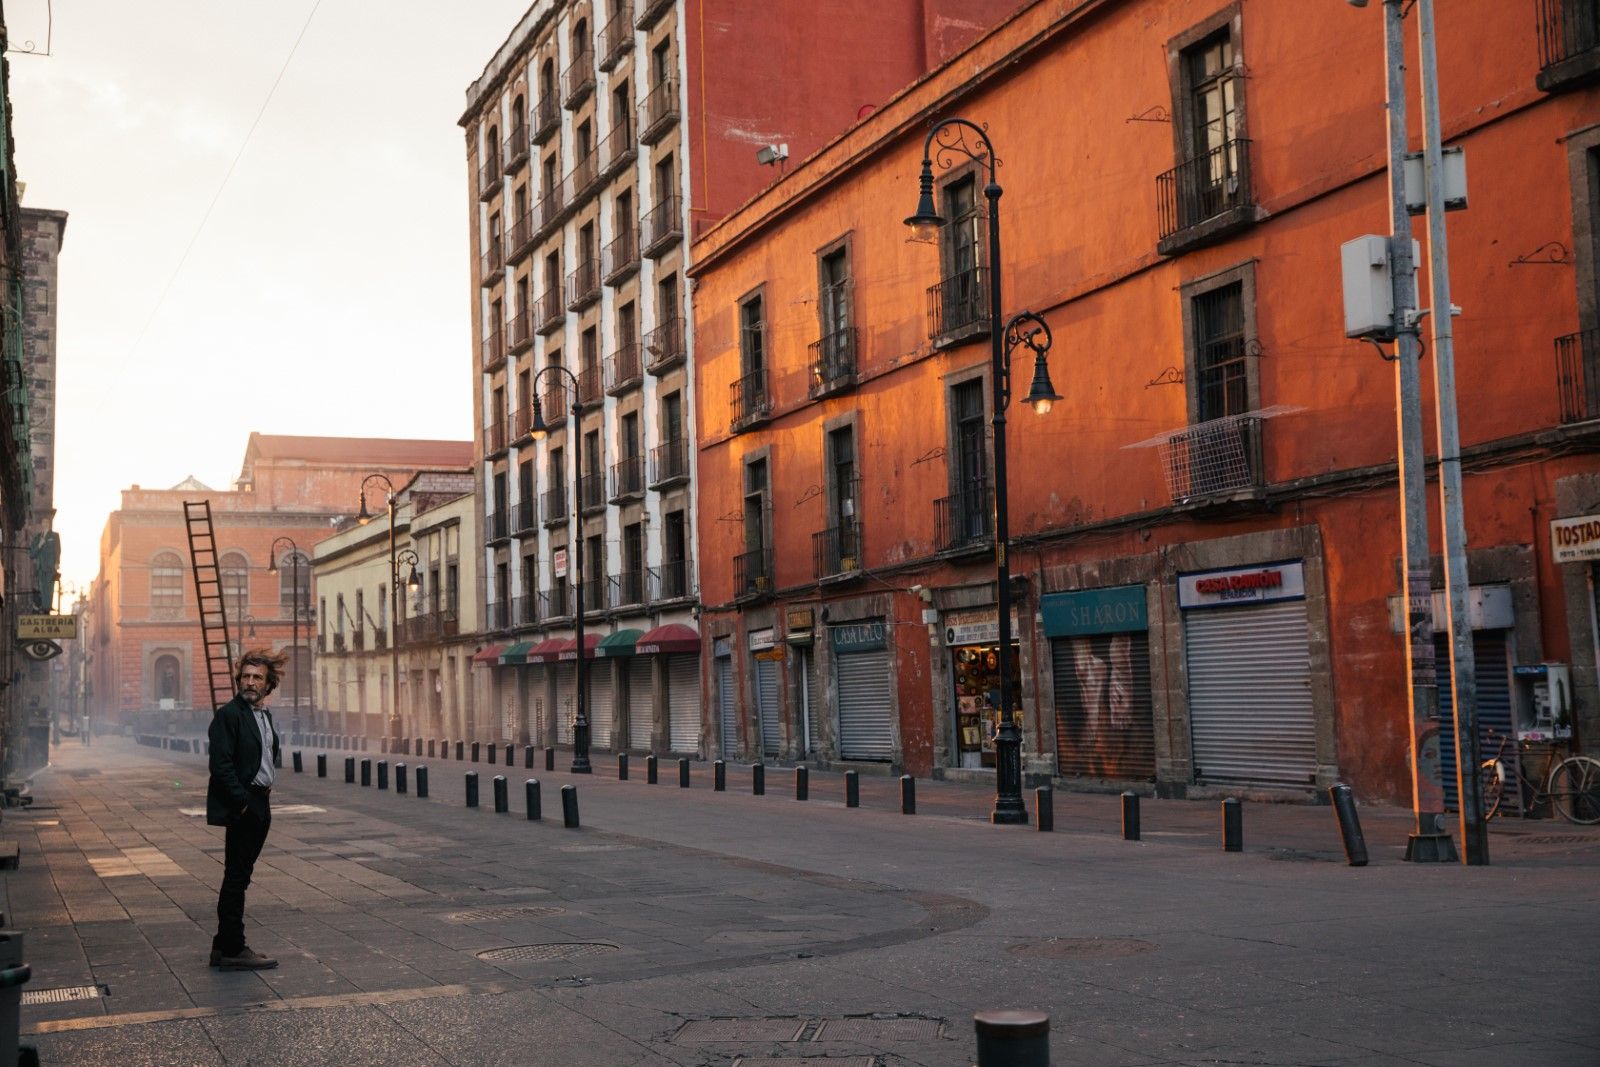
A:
x,y
1544,701
1368,287
1453,162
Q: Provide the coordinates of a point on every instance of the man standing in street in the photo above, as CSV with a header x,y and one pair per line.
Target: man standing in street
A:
x,y
244,750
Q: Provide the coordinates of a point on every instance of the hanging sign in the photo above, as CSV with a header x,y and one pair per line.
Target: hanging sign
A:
x,y
1242,586
1575,540
47,627
558,562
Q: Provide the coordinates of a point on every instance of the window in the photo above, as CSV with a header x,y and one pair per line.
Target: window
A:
x,y
623,214
452,587
672,417
498,528
1221,384
491,150
495,233
674,555
525,495
593,471
594,565
833,357
622,112
632,577
665,183
834,305
960,304
1207,195
338,621
752,336
964,516
661,63
627,325
166,585
838,547
630,435
1578,354
667,298
1221,453
556,478
499,616
751,569
361,610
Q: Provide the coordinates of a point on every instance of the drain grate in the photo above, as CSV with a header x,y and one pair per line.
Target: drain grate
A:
x,y
1561,839
509,911
1074,948
535,953
696,1031
594,848
65,994
871,1031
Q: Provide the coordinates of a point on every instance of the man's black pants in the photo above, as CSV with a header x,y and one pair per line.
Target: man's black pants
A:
x,y
242,844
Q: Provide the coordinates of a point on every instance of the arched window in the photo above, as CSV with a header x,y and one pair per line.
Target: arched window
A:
x,y
166,586
235,570
166,678
294,584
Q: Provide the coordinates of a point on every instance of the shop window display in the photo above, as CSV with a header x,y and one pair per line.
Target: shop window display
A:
x,y
976,671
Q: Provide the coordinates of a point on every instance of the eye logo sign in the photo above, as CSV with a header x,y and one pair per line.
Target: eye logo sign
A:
x,y
40,650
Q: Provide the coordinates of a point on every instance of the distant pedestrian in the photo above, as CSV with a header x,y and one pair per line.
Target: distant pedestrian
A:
x,y
83,729
244,748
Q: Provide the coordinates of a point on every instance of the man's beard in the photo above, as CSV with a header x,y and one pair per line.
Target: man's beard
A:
x,y
250,696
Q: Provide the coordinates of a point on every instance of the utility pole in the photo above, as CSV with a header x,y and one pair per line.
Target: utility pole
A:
x,y
1464,687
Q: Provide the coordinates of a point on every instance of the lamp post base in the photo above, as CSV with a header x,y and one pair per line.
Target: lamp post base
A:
x,y
1005,814
1431,848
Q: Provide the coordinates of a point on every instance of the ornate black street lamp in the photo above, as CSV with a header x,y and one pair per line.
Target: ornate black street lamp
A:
x,y
539,431
294,624
1025,329
363,516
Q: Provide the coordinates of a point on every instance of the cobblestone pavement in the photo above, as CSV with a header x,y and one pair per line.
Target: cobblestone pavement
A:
x,y
690,927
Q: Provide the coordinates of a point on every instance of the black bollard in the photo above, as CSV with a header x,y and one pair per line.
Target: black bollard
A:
x,y
417,747
366,771
719,777
422,783
383,774
622,766
549,759
491,751
1044,801
1130,816
1344,806
511,754
322,765
1232,825
472,789
527,758
651,770
350,769
852,789
383,744
461,748
569,806
1012,1038
502,803
399,777
683,773
433,749
298,766
908,795
758,779
802,783
475,752
534,808
363,744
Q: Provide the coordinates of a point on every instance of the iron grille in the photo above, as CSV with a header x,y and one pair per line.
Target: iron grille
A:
x,y
494,260
1214,458
663,225
521,331
957,302
660,111
621,256
627,588
665,345
751,402
578,80
1567,29
594,593
551,205
546,118
622,368
494,350
516,148
521,235
593,492
583,285
551,310
497,525
627,478
964,518
1578,375
671,580
489,176
554,505
752,573
553,406
669,462
836,550
617,37
494,437
833,362
524,610
527,516
591,386
581,178
619,147
555,602
1204,187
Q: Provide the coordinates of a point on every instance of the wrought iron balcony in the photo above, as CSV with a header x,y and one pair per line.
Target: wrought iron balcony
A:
x,y
489,176
553,404
555,602
659,112
1205,198
546,119
521,327
626,589
358,641
592,494
322,643
833,363
965,518
627,479
669,463
594,592
582,178
339,644
619,148
1569,43
521,423
494,350
499,527
525,610
555,506
665,346
499,614
617,37
663,226
551,311
380,640
752,574
1578,375
1215,460
591,387
624,371
494,437
671,581
516,149
752,403
650,10
527,515
836,551
491,265
959,304
552,207
520,240
621,256
577,81
583,285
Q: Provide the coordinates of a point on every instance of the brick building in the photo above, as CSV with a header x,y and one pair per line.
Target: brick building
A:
x,y
1205,530
144,644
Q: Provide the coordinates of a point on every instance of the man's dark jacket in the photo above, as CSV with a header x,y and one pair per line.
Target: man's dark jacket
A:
x,y
235,758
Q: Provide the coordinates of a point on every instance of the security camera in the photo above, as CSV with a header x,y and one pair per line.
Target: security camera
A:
x,y
772,153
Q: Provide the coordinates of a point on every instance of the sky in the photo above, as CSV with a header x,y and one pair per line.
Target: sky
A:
x,y
328,292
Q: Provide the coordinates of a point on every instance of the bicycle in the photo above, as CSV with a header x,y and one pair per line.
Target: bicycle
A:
x,y
1571,784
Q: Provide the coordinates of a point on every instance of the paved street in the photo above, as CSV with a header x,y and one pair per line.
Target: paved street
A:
x,y
690,927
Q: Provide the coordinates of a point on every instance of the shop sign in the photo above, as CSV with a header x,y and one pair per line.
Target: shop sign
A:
x,y
47,627
558,562
776,653
859,637
1242,586
974,628
1575,540
723,646
799,619
762,639
1117,610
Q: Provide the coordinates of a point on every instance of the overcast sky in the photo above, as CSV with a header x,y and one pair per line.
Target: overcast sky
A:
x,y
329,291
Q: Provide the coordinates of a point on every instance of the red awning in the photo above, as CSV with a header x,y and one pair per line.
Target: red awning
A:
x,y
673,637
489,654
547,650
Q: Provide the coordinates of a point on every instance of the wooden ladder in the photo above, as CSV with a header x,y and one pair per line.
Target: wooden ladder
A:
x,y
208,595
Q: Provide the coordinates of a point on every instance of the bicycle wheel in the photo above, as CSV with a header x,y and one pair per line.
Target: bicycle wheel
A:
x,y
1492,786
1575,789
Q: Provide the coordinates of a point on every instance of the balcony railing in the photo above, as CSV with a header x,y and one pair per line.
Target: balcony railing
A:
x,y
594,592
520,241
965,518
752,574
591,387
555,602
660,111
494,350
554,506
494,437
592,494
489,176
665,345
552,206
521,423
833,363
551,310
625,589
1215,459
577,81
650,10
671,580
617,37
499,614
516,149
620,257
525,610
752,403
623,369
553,405
339,643
499,524
836,550
958,303
1569,43
527,515
521,327
380,640
627,478
1212,190
669,463
358,641
663,226
492,263
583,285
1578,375
619,149
546,118
582,177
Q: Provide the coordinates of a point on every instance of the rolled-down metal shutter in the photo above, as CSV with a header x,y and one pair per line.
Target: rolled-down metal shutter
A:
x,y
641,703
727,715
1492,669
865,728
602,712
566,701
767,707
683,703
1250,709
1104,719
808,678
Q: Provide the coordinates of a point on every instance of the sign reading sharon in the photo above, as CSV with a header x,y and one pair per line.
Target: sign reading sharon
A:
x,y
47,627
1575,540
1116,610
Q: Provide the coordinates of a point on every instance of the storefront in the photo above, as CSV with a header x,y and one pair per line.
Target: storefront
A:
x,y
1100,670
765,655
800,637
511,708
680,646
1252,719
613,656
727,700
864,684
542,667
972,640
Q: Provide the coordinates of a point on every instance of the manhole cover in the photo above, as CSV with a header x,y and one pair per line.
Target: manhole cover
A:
x,y
534,953
1561,839
1079,948
875,1031
65,994
509,911
702,1030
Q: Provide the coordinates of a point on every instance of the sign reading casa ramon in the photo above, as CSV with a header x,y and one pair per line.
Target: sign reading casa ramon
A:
x,y
1242,585
47,627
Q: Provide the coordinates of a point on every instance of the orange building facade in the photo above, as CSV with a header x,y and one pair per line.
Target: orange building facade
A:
x,y
1205,530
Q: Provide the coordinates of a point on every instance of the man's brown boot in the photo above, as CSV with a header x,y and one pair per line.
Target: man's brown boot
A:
x,y
248,959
